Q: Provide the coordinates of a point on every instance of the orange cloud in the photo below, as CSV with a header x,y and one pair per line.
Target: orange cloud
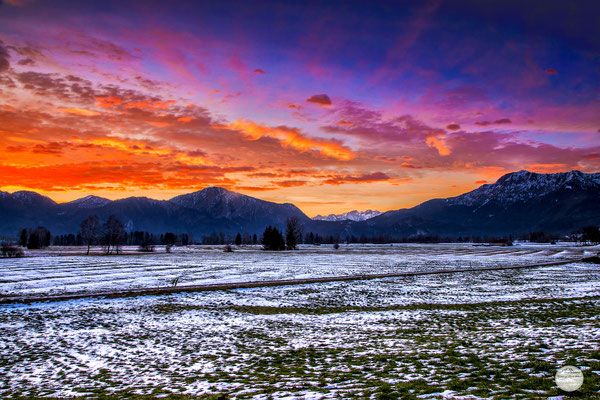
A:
x,y
150,104
142,104
438,144
549,168
158,124
292,138
116,176
186,118
289,183
108,102
79,111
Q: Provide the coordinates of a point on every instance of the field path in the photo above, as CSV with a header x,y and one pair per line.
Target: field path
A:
x,y
253,284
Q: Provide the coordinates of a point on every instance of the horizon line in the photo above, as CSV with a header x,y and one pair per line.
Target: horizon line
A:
x,y
316,215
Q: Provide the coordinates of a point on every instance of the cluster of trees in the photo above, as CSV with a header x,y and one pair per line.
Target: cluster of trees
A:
x,y
37,238
273,239
111,235
239,239
589,234
135,238
539,237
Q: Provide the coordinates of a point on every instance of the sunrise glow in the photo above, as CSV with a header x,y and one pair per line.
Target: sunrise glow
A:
x,y
332,108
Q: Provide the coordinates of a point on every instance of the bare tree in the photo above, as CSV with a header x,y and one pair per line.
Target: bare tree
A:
x,y
114,234
89,231
293,233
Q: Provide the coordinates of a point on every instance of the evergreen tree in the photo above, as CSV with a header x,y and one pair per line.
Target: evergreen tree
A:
x,y
23,237
273,239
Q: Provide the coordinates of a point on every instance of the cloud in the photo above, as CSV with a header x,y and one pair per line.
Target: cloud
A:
x,y
79,111
550,168
146,83
291,137
149,104
389,136
254,188
437,142
552,71
108,102
290,183
259,71
4,58
27,62
158,124
362,178
320,99
66,87
496,122
453,127
480,182
88,46
111,176
186,118
50,148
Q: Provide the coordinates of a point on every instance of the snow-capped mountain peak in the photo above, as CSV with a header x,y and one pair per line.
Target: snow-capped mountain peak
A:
x,y
353,215
30,198
524,185
90,202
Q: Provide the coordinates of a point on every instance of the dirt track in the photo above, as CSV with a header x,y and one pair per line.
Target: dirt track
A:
x,y
254,284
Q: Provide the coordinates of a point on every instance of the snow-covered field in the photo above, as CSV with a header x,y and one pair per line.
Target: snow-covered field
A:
x,y
468,335
65,270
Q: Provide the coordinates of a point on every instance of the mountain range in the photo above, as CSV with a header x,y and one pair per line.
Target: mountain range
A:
x,y
518,202
353,215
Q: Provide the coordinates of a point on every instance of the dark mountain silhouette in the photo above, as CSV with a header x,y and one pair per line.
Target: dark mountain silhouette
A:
x,y
518,202
210,210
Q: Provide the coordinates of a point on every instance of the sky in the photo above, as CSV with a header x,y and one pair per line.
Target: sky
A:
x,y
332,106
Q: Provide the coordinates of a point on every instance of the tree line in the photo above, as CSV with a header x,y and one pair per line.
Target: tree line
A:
x,y
111,235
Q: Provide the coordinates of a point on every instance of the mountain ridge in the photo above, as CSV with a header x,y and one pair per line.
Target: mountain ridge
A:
x,y
353,215
517,202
